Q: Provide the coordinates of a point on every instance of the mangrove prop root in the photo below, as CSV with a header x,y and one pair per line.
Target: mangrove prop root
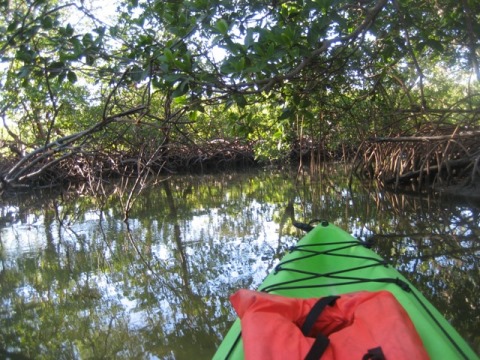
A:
x,y
439,159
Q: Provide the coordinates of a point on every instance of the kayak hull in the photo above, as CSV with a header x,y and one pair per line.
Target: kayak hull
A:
x,y
329,261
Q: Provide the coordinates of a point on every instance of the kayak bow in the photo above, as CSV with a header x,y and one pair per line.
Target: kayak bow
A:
x,y
328,261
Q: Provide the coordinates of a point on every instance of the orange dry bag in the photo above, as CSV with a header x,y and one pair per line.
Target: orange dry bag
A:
x,y
363,325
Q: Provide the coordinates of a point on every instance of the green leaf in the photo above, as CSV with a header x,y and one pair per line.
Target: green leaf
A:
x,y
239,64
169,55
145,40
72,77
435,45
100,31
324,5
287,113
185,63
181,89
69,30
240,100
12,26
420,46
277,135
163,64
87,40
228,66
221,26
25,55
305,103
31,32
24,72
89,59
388,51
173,78
47,22
56,68
249,38
61,77
78,47
137,73
113,30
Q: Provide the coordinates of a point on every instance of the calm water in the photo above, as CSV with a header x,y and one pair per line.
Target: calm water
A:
x,y
76,282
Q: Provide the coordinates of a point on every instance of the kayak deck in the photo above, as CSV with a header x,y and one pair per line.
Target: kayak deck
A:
x,y
329,261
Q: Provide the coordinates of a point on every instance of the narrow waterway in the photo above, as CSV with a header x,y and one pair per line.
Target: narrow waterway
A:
x,y
77,282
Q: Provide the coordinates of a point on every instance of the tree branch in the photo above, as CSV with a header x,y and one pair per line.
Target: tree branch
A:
x,y
267,84
472,134
28,162
472,37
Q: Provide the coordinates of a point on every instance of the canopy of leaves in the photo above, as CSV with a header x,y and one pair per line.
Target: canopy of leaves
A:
x,y
269,72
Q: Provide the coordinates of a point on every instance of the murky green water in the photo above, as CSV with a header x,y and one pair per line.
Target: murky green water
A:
x,y
78,282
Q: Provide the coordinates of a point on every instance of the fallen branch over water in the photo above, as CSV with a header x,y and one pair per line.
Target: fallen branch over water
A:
x,y
55,164
33,165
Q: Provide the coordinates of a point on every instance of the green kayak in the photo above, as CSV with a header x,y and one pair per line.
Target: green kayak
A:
x,y
329,261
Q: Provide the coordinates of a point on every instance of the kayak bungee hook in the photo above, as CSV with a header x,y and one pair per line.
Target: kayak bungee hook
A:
x,y
309,226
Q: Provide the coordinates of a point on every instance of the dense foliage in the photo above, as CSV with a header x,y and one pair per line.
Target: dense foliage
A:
x,y
159,76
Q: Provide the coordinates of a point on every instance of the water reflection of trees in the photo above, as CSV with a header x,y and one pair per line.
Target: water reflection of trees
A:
x,y
97,287
435,242
158,285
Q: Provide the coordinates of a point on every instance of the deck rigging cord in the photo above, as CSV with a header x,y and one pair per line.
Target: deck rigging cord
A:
x,y
342,275
345,280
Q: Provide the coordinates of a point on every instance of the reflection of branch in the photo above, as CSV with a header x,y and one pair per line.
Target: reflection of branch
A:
x,y
289,214
137,250
153,272
178,237
453,253
143,172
